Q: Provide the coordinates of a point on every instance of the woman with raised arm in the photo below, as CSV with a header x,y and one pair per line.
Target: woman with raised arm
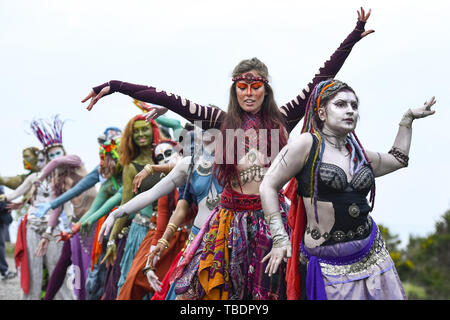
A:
x,y
342,254
230,268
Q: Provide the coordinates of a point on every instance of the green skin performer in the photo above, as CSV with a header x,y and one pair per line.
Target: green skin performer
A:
x,y
107,196
30,162
143,138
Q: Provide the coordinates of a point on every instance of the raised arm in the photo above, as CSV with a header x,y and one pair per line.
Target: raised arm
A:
x,y
295,109
210,117
84,184
99,200
398,156
13,182
286,165
22,189
173,180
70,160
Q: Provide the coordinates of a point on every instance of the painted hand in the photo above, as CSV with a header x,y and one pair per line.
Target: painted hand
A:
x,y
275,257
155,253
64,236
138,180
95,97
424,111
110,255
42,247
153,111
109,223
43,209
86,228
154,281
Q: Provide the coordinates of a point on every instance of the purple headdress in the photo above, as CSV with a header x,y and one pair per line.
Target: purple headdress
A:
x,y
49,134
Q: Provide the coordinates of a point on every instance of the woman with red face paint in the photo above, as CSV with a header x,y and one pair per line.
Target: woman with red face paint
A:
x,y
227,263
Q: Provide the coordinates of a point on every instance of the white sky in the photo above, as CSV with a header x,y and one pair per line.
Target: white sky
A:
x,y
53,52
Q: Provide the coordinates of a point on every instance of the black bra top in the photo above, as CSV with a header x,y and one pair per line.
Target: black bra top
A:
x,y
332,178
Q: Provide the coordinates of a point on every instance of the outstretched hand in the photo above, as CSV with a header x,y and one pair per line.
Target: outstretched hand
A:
x,y
95,97
275,257
153,281
362,16
152,111
424,111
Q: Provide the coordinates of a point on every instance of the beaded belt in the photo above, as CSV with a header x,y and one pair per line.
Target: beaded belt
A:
x,y
352,265
232,200
339,235
144,221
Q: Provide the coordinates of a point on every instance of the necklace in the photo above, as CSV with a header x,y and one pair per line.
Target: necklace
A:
x,y
339,142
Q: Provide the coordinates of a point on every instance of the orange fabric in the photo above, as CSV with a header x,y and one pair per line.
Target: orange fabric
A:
x,y
166,281
297,223
213,284
136,285
163,215
96,247
20,255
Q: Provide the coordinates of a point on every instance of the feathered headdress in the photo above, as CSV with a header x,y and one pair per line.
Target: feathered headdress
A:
x,y
48,133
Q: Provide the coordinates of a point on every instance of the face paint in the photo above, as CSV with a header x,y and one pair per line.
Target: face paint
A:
x,y
55,152
165,153
250,92
40,160
142,133
341,113
249,87
29,159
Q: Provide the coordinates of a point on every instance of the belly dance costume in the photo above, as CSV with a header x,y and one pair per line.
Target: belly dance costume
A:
x,y
352,262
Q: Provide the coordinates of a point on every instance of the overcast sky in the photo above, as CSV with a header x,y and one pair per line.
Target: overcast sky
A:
x,y
53,52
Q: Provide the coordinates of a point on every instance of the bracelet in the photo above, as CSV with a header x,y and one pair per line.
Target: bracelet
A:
x,y
407,119
47,236
147,269
110,243
164,242
400,156
149,169
173,227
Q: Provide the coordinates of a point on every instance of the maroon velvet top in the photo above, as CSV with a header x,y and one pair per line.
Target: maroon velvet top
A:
x,y
211,117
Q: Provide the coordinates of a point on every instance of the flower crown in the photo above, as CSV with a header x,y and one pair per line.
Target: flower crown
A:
x,y
110,147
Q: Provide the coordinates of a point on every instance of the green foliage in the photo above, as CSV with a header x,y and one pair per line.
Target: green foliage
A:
x,y
425,263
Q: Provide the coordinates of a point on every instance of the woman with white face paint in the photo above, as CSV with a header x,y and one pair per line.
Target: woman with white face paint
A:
x,y
336,249
35,244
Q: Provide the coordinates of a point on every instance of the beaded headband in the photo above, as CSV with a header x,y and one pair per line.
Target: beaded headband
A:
x,y
249,78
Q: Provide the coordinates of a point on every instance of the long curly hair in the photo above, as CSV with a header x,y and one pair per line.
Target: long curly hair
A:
x,y
128,150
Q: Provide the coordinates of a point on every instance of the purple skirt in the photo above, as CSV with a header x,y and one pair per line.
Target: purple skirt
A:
x,y
353,270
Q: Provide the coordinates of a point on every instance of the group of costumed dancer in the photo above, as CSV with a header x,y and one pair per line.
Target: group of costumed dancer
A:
x,y
194,213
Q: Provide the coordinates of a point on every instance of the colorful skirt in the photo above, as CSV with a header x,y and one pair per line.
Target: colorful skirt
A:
x,y
353,270
226,263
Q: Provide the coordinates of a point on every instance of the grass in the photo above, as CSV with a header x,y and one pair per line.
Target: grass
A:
x,y
9,248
